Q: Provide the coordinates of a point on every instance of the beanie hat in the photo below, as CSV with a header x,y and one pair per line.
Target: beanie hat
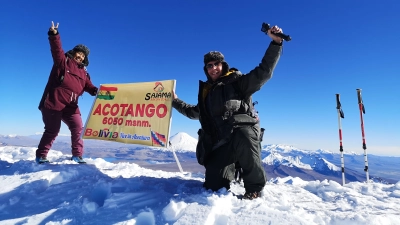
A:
x,y
215,56
80,48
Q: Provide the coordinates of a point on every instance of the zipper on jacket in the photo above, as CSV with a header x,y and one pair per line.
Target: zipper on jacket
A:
x,y
73,97
209,111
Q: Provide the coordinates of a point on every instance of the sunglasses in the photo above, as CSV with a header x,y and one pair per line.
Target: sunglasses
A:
x,y
211,65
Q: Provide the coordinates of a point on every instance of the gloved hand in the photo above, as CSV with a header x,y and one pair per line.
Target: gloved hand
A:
x,y
53,30
94,91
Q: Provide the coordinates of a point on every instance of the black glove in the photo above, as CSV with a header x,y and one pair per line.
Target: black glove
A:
x,y
51,33
94,92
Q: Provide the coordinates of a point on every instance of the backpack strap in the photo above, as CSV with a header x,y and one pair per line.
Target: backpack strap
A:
x,y
252,111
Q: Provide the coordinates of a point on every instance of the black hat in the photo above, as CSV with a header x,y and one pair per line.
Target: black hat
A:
x,y
215,56
81,48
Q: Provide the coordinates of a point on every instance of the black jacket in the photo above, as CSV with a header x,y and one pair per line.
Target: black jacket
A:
x,y
227,103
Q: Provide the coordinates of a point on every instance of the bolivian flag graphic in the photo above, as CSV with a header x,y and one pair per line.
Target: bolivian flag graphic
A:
x,y
107,93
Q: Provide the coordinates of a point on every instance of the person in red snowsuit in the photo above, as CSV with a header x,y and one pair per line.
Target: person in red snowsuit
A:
x,y
68,80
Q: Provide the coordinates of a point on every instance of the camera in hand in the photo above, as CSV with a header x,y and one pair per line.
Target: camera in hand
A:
x,y
265,27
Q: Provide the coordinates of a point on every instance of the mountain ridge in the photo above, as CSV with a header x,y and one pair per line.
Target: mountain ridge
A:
x,y
279,160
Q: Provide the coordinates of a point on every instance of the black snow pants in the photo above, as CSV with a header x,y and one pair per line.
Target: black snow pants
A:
x,y
244,147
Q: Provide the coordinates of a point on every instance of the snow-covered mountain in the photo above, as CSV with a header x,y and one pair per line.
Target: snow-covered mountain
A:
x,y
282,160
278,160
17,140
297,158
183,142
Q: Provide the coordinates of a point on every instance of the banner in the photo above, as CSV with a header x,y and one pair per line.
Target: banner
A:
x,y
134,113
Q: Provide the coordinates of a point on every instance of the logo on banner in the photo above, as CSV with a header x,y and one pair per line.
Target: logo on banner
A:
x,y
158,94
158,87
158,139
107,93
102,133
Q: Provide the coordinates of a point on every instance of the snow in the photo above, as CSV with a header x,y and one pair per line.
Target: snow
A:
x,y
101,192
290,161
297,160
183,142
280,148
331,166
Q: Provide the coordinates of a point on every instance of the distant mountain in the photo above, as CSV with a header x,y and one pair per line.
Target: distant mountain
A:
x,y
17,140
275,158
278,160
316,163
183,142
282,159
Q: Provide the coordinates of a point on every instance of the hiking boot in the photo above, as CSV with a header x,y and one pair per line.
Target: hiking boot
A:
x,y
41,160
78,159
251,195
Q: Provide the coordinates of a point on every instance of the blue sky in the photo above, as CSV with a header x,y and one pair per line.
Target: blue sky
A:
x,y
337,47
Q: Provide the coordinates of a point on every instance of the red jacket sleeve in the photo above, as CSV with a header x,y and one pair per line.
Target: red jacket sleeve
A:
x,y
56,49
89,87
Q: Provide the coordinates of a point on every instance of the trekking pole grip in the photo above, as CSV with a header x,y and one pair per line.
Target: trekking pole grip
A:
x,y
339,106
359,96
360,101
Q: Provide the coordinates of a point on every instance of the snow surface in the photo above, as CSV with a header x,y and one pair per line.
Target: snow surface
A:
x,y
100,192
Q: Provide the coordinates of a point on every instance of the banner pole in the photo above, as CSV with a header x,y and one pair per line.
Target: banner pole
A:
x,y
177,160
170,116
169,132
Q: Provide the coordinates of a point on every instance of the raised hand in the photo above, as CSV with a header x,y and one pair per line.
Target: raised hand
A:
x,y
275,29
54,28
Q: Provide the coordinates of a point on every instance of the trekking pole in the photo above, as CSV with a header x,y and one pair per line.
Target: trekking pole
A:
x,y
340,115
362,111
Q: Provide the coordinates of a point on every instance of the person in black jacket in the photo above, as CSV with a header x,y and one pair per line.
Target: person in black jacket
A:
x,y
230,129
